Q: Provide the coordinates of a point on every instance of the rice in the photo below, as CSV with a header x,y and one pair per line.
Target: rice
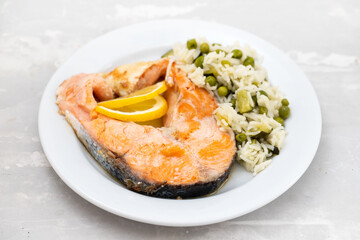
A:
x,y
249,88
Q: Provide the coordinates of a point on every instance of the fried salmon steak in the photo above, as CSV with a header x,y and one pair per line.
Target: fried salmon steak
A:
x,y
190,156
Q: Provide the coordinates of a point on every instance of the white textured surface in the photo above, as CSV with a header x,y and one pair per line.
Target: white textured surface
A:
x,y
321,36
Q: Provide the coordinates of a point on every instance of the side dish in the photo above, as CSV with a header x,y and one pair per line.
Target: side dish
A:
x,y
248,104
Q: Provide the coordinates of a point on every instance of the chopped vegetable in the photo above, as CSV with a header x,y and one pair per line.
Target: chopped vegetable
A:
x,y
263,110
262,92
243,101
241,137
233,103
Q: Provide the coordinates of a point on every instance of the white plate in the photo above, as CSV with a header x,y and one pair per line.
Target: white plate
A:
x,y
242,193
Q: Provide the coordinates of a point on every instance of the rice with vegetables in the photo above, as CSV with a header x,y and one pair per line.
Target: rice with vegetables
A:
x,y
247,103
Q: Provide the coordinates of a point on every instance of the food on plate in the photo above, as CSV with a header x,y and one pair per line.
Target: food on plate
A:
x,y
138,96
140,106
139,112
172,127
248,104
189,156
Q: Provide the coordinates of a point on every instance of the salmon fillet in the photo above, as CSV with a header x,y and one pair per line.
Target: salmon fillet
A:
x,y
188,157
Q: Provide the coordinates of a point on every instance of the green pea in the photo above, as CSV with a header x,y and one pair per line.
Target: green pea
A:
x,y
191,44
285,102
211,80
199,61
204,48
223,91
241,137
279,120
237,53
284,112
256,84
214,44
225,62
249,61
219,51
262,92
168,53
263,110
254,141
233,103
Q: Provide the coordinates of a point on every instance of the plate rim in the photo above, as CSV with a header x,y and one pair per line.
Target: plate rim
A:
x,y
207,221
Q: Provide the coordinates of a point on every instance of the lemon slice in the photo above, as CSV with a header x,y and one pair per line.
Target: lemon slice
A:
x,y
139,112
136,97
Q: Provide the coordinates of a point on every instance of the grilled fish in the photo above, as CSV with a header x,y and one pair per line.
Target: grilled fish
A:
x,y
190,156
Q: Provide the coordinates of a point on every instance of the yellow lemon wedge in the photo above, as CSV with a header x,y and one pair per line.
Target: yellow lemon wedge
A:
x,y
136,97
139,112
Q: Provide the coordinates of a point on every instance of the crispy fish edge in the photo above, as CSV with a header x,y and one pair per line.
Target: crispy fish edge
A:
x,y
117,168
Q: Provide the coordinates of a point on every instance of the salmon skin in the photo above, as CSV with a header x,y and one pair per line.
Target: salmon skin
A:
x,y
124,175
189,157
